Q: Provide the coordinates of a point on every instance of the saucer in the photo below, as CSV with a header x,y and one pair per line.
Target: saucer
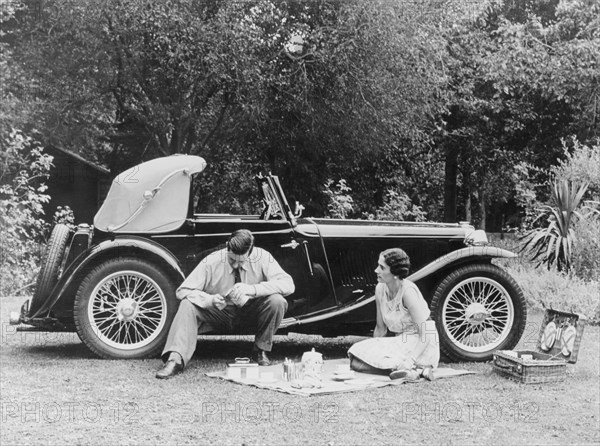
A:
x,y
359,381
343,376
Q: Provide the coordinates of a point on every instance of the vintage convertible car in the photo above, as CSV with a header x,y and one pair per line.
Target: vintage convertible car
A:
x,y
114,282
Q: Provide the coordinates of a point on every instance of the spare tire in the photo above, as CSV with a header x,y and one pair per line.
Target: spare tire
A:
x,y
51,264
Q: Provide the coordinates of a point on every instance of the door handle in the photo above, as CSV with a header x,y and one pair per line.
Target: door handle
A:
x,y
293,244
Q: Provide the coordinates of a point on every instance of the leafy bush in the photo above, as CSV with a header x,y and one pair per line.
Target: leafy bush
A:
x,y
64,215
339,201
552,244
586,250
570,237
398,207
549,288
581,164
528,184
24,168
552,289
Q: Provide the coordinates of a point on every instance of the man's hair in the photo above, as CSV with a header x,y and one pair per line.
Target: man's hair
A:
x,y
240,242
398,261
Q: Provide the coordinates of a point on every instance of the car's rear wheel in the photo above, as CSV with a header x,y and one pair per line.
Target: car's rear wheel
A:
x,y
478,308
51,264
124,308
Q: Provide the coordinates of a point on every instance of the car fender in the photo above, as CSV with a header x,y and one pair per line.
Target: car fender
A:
x,y
120,246
460,256
456,257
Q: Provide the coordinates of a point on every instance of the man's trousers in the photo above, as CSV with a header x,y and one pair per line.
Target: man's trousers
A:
x,y
261,315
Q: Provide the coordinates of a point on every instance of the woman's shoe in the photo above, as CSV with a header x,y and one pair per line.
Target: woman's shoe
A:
x,y
428,374
408,375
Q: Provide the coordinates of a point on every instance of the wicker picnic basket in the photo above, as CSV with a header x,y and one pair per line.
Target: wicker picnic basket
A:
x,y
557,345
542,368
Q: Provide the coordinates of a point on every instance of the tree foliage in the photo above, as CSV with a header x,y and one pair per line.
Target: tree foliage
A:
x,y
23,170
525,75
439,102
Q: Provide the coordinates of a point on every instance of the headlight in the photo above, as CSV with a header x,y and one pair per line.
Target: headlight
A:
x,y
476,238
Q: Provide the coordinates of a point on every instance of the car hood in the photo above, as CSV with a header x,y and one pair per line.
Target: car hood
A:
x,y
335,228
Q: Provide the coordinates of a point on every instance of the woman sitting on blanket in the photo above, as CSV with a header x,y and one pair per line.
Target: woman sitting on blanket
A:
x,y
405,343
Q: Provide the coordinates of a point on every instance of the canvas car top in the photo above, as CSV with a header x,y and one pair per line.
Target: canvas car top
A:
x,y
151,197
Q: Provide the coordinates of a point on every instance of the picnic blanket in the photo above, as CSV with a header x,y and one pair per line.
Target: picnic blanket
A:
x,y
360,381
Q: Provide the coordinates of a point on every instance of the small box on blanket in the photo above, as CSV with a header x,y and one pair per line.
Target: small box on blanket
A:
x,y
242,371
557,344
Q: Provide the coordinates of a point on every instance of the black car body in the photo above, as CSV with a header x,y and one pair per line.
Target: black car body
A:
x,y
114,282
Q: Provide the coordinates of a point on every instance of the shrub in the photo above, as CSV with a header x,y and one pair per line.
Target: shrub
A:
x,y
549,288
545,288
581,164
398,207
586,250
24,168
340,203
64,215
552,244
570,238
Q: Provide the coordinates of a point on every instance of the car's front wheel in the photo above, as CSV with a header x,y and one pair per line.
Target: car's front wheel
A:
x,y
478,308
124,308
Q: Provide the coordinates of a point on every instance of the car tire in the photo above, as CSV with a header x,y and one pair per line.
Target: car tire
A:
x,y
124,308
478,309
51,264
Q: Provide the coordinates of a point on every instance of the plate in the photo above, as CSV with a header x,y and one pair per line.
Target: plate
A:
x,y
343,376
359,381
567,340
548,337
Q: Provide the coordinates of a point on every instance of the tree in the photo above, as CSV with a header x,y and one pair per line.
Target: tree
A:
x,y
148,78
523,80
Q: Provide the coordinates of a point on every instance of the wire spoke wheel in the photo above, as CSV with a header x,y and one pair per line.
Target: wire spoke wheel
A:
x,y
124,308
478,308
478,314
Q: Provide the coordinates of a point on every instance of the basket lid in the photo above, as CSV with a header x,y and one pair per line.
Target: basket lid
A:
x,y
242,365
560,334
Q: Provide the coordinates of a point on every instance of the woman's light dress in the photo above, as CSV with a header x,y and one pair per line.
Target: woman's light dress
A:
x,y
398,352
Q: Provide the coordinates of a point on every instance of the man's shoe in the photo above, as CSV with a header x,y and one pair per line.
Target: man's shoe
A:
x,y
408,375
170,369
261,357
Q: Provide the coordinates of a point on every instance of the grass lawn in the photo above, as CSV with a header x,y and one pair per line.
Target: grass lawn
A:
x,y
53,391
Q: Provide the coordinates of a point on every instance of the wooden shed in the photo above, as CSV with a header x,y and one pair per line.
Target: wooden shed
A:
x,y
77,183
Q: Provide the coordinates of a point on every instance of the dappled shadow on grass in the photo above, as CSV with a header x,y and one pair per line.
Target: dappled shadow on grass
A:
x,y
65,351
42,345
230,347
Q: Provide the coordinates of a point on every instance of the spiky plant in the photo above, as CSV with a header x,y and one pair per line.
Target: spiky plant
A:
x,y
553,244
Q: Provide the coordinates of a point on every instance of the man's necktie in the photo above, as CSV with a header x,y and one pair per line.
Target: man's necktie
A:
x,y
236,274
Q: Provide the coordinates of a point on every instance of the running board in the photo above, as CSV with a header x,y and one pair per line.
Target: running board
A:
x,y
291,321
